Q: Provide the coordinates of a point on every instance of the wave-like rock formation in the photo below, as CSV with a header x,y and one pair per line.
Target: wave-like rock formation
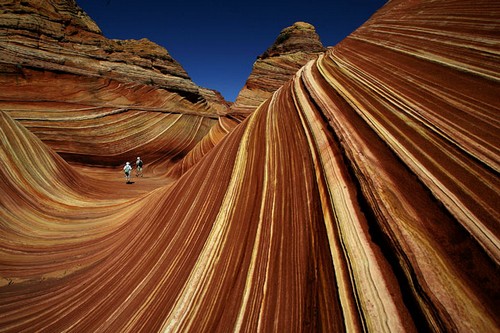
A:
x,y
217,132
363,196
63,79
57,35
292,49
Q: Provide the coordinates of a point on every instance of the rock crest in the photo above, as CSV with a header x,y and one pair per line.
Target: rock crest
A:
x,y
300,37
57,35
293,48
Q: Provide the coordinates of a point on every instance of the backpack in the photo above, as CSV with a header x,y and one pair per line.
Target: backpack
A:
x,y
139,164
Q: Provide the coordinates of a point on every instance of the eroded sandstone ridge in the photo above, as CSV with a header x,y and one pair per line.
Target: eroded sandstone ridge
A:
x,y
59,71
363,196
293,48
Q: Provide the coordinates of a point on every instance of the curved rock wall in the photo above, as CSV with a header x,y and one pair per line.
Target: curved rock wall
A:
x,y
74,88
361,197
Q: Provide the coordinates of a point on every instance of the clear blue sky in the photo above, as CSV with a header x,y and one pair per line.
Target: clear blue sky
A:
x,y
217,41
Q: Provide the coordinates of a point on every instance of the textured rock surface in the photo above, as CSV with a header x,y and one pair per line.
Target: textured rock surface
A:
x,y
293,48
363,196
62,79
57,35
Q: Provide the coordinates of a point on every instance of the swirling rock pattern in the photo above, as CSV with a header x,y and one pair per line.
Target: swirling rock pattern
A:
x,y
105,122
362,196
58,35
62,79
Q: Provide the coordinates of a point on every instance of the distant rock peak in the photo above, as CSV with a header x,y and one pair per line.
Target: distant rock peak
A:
x,y
300,37
48,16
294,47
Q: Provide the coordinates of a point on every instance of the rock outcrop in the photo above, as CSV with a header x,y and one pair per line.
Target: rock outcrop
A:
x,y
293,48
56,35
363,196
59,71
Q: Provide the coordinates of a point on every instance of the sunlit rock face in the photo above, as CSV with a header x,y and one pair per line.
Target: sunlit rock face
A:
x,y
217,132
63,80
293,48
56,35
363,196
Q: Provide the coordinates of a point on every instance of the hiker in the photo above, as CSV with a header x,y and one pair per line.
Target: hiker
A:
x,y
138,166
127,169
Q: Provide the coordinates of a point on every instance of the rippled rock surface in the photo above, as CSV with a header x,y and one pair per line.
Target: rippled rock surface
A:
x,y
62,79
361,197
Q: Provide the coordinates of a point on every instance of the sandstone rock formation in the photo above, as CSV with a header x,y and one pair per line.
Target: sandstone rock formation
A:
x,y
293,48
60,72
363,196
57,35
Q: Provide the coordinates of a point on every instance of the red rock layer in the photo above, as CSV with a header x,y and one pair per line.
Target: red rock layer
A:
x,y
217,132
104,122
293,48
56,35
63,80
363,196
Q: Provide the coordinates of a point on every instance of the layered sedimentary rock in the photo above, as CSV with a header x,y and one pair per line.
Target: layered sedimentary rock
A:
x,y
361,197
57,35
293,48
63,80
217,132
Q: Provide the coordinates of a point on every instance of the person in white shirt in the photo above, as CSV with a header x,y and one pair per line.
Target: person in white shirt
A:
x,y
127,169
